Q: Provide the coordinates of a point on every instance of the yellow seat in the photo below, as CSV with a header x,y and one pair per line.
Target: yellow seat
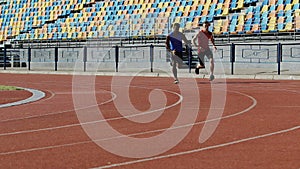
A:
x,y
166,4
264,8
90,35
217,27
225,26
297,22
177,20
271,27
112,33
225,9
241,19
288,7
160,4
240,4
70,35
289,26
181,8
273,20
188,26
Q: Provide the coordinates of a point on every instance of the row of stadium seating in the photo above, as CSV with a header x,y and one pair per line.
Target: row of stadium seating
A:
x,y
19,16
84,19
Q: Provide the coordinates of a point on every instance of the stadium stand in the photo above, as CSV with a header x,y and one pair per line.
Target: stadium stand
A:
x,y
44,20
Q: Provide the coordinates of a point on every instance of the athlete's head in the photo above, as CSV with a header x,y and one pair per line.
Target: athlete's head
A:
x,y
176,26
206,24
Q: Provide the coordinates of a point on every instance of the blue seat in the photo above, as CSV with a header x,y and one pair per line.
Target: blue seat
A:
x,y
280,13
279,2
41,36
231,28
256,21
280,26
247,27
199,10
249,21
257,9
288,13
212,9
272,8
154,5
263,26
249,9
179,13
65,35
296,6
202,20
265,14
32,36
233,4
189,3
265,2
287,2
209,18
247,2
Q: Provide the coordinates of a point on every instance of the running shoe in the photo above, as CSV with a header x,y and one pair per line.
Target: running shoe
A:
x,y
199,66
211,77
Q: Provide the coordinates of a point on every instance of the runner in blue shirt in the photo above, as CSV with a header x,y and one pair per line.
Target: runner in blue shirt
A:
x,y
174,45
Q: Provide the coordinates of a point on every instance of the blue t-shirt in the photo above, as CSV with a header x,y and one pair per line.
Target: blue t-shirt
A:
x,y
176,41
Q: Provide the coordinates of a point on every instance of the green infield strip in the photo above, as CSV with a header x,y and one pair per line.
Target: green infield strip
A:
x,y
9,88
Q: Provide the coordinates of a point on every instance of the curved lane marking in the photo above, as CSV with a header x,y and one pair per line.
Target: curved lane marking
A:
x,y
133,134
36,95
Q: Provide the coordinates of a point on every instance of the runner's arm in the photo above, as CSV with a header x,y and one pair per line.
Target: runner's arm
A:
x,y
195,39
213,42
168,47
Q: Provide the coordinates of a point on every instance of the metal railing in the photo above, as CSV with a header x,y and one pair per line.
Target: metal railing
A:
x,y
118,58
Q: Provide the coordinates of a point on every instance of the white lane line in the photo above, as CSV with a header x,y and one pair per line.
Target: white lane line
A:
x,y
44,148
140,133
99,121
200,149
286,107
60,112
134,115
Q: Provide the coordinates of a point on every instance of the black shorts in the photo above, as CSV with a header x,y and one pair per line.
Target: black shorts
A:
x,y
177,57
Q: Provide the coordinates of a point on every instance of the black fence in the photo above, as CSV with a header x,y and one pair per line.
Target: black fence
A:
x,y
145,55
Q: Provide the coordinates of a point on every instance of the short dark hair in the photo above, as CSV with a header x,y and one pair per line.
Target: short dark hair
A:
x,y
206,22
176,24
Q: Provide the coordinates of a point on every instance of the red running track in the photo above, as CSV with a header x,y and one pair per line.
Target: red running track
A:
x,y
260,125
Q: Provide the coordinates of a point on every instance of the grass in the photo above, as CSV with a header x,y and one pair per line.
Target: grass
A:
x,y
5,88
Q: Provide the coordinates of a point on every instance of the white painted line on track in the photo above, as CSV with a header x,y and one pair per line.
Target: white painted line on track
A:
x,y
201,149
92,122
133,134
60,112
144,113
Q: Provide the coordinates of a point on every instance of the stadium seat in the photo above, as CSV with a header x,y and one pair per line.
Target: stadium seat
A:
x,y
225,27
280,24
217,27
30,15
